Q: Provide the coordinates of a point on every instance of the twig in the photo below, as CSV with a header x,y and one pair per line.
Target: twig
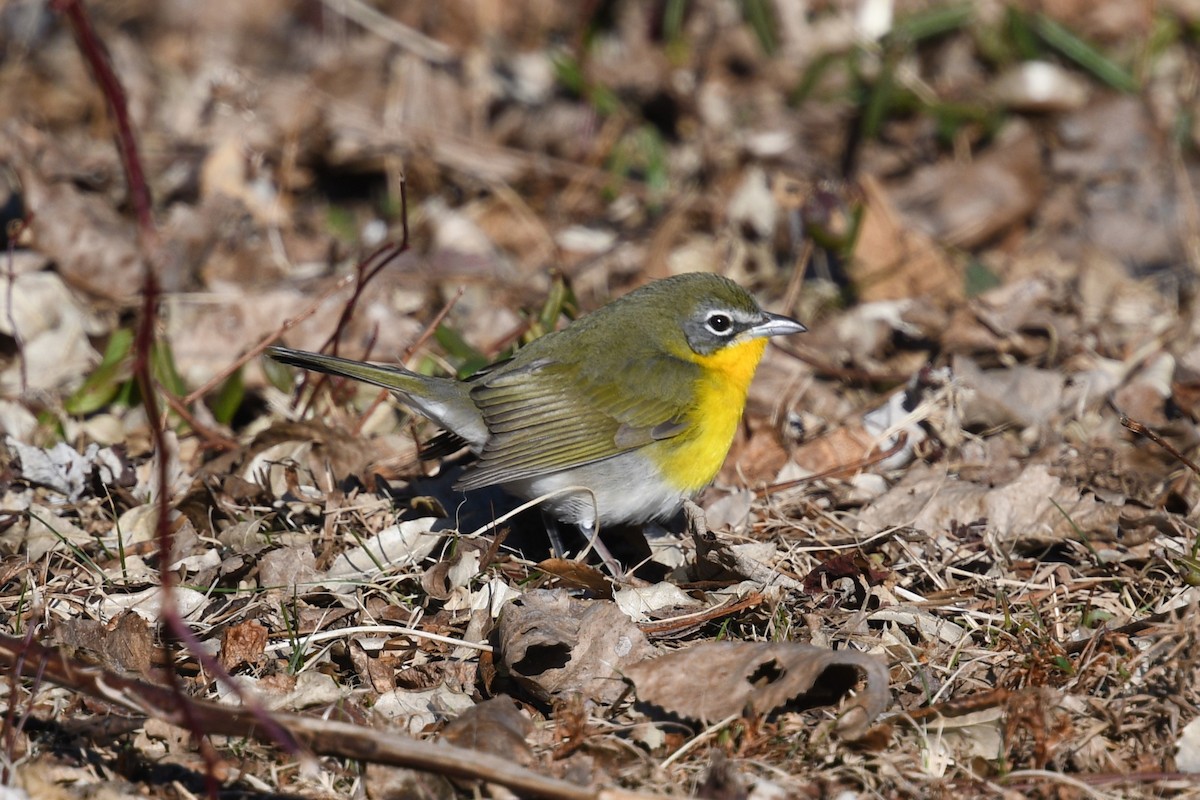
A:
x,y
954,708
213,439
12,727
700,739
395,32
382,630
792,295
1142,430
176,629
364,272
662,627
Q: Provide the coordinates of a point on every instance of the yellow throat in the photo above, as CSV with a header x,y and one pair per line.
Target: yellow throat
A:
x,y
691,461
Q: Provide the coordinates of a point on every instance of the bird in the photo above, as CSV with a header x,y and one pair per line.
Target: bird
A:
x,y
619,418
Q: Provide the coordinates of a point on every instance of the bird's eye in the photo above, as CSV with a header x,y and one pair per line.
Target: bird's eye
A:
x,y
718,323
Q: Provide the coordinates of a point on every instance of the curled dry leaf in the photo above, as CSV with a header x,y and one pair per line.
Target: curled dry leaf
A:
x,y
641,603
450,577
552,645
577,574
715,679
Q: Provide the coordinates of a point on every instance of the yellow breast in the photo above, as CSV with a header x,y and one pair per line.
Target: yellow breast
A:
x,y
691,460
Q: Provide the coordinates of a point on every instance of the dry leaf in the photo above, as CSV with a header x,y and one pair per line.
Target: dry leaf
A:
x,y
577,573
552,644
395,548
966,204
493,726
1036,507
713,680
288,569
244,643
124,643
893,261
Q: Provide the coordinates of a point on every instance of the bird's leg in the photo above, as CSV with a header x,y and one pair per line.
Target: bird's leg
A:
x,y
557,548
593,539
588,529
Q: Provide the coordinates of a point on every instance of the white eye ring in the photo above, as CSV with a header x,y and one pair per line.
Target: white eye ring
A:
x,y
719,323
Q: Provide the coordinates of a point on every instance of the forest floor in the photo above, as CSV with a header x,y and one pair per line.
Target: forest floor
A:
x,y
953,551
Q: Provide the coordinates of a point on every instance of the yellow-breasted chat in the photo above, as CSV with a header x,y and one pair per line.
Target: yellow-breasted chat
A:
x,y
634,405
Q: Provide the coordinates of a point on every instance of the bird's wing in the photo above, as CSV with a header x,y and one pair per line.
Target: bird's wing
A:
x,y
546,416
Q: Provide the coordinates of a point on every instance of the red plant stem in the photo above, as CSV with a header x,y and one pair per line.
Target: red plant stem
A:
x,y
176,629
96,55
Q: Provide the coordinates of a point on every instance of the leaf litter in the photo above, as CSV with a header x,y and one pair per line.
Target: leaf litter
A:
x,y
956,530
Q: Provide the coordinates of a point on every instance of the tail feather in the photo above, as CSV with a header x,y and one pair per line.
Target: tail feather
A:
x,y
396,379
444,400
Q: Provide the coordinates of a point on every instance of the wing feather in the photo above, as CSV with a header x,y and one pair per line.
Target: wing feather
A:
x,y
548,417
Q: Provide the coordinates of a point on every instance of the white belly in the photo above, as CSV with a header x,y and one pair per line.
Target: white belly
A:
x,y
625,489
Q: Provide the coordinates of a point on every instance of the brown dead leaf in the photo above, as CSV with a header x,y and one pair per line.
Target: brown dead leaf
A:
x,y
377,669
493,726
846,565
1024,396
717,558
840,452
244,643
713,680
94,247
966,204
288,569
125,643
756,458
382,782
1036,507
893,261
577,574
1144,397
552,644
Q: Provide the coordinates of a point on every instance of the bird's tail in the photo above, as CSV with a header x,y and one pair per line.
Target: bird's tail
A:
x,y
396,379
446,401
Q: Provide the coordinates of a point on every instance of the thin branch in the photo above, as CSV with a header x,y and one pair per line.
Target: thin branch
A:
x,y
1143,430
